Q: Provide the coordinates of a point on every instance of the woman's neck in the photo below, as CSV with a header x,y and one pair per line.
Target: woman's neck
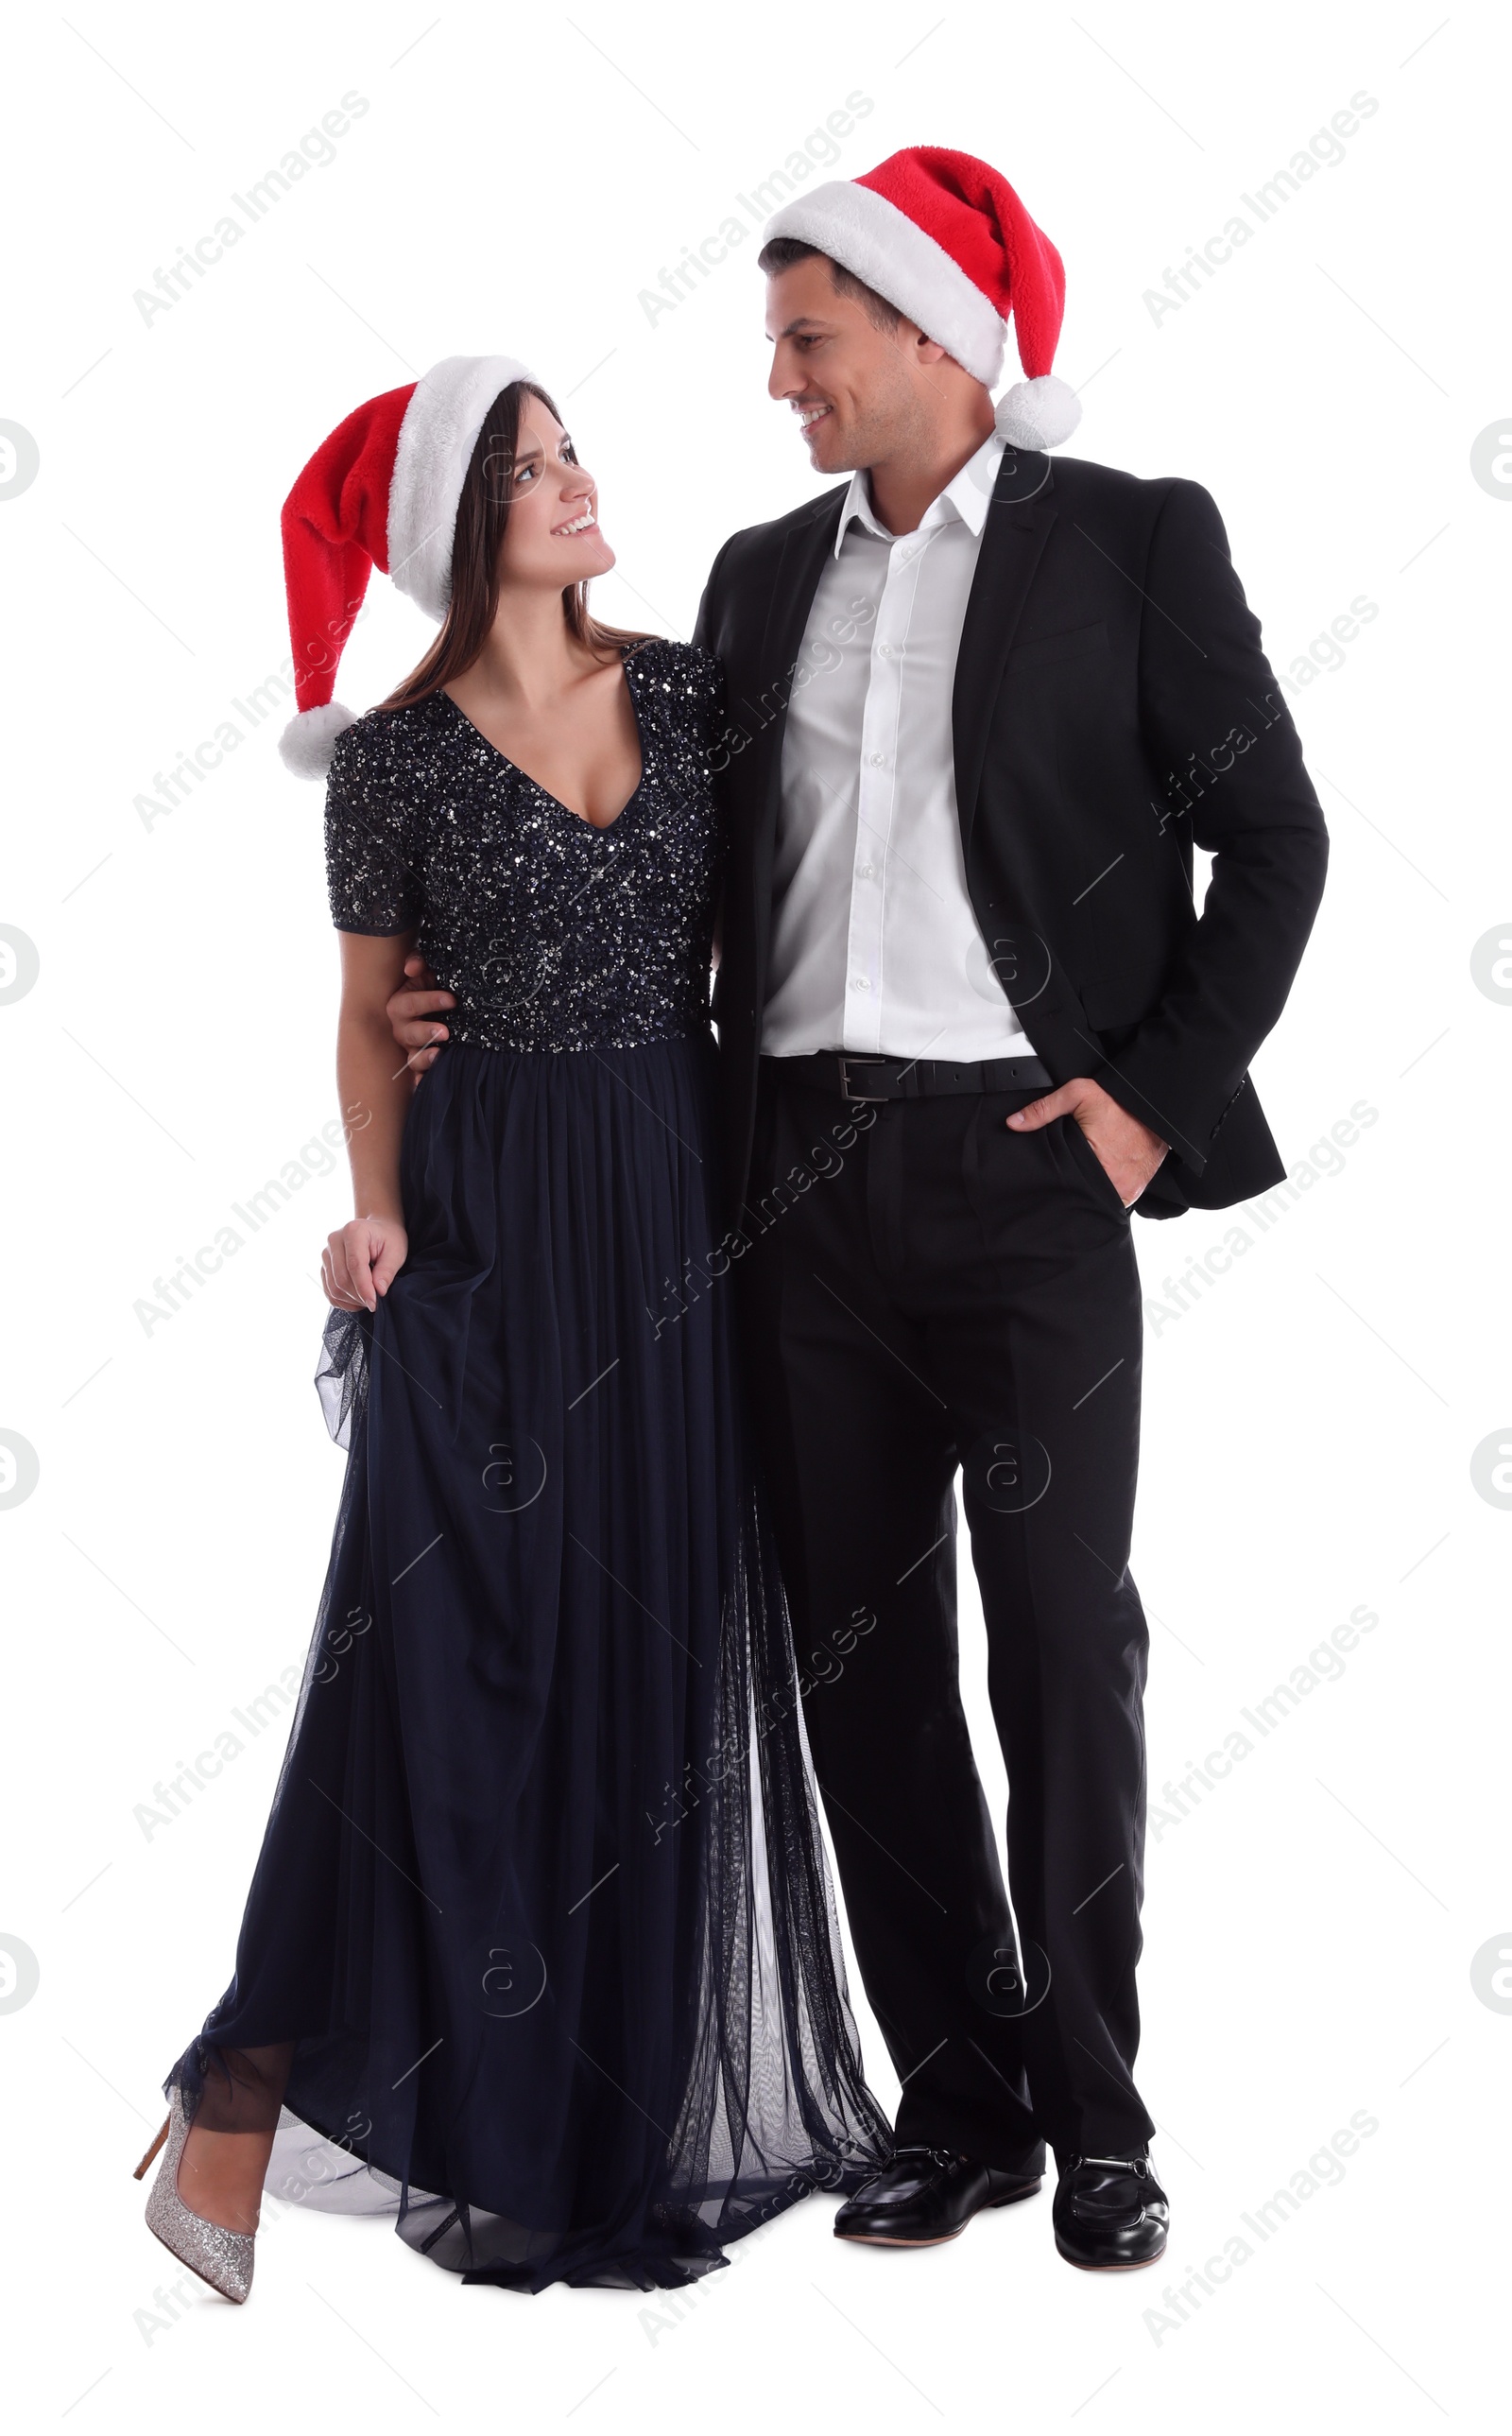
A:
x,y
530,656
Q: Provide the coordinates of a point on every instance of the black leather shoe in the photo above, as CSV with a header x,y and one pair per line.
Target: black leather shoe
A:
x,y
1110,2212
928,2195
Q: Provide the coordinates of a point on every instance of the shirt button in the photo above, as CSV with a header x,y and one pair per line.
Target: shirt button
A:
x,y
866,871
885,651
876,759
861,981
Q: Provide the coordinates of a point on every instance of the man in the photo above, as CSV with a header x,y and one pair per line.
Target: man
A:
x,y
980,712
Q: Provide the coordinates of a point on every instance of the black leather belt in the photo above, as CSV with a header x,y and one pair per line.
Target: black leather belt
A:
x,y
909,1078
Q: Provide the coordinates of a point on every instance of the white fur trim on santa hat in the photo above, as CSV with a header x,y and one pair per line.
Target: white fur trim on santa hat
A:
x,y
309,740
870,236
1038,413
436,441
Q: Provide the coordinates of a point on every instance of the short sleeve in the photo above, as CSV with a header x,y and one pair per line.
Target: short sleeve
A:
x,y
369,867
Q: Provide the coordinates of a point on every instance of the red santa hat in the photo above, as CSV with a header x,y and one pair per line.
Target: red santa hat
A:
x,y
947,242
381,492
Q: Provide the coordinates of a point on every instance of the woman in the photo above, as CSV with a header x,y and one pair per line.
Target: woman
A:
x,y
540,1943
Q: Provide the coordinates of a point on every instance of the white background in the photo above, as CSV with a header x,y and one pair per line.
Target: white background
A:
x,y
518,178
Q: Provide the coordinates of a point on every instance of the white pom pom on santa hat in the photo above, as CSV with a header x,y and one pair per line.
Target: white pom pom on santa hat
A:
x,y
1038,413
381,491
305,744
946,240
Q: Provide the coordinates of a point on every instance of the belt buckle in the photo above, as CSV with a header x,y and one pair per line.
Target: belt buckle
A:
x,y
868,1098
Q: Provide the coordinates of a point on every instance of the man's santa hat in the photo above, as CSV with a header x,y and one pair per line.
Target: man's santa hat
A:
x,y
947,242
381,492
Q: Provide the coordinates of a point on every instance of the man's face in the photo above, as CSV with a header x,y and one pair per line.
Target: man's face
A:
x,y
861,395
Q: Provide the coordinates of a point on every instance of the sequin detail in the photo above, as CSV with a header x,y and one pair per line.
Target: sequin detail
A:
x,y
552,934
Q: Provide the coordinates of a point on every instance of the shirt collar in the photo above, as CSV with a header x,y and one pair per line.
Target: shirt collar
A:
x,y
965,498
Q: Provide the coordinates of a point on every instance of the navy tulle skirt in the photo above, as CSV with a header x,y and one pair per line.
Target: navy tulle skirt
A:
x,y
542,1907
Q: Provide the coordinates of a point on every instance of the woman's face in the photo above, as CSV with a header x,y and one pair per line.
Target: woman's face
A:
x,y
552,537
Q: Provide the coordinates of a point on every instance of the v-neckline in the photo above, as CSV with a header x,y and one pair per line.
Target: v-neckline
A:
x,y
595,828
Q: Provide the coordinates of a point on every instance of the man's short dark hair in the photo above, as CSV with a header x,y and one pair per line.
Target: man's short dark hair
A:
x,y
783,251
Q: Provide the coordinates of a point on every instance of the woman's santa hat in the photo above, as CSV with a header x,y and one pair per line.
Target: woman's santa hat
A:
x,y
947,242
381,492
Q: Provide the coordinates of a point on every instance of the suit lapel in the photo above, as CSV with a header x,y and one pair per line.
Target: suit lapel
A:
x,y
1018,524
805,546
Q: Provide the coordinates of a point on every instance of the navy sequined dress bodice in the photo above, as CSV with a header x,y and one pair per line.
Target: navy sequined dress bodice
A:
x,y
542,1914
551,933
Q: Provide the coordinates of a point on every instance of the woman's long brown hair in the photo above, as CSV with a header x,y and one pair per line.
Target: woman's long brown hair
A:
x,y
482,514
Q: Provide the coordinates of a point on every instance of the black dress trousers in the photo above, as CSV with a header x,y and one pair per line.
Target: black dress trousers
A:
x,y
925,1290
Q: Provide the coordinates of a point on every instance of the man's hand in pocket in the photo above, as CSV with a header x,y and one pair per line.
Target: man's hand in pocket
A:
x,y
1127,1151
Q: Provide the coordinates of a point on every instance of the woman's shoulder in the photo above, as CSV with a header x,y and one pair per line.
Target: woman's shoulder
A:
x,y
384,743
682,674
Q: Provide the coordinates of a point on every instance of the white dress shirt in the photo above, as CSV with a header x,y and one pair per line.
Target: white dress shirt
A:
x,y
875,947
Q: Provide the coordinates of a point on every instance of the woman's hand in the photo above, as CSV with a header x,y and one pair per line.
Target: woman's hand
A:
x,y
361,1260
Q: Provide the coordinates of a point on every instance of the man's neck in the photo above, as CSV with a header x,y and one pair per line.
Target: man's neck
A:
x,y
904,488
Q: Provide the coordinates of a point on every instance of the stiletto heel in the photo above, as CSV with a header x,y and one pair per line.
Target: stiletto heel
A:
x,y
219,2258
138,2171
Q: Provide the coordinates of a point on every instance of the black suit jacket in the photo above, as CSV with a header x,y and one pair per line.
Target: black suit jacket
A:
x,y
1112,707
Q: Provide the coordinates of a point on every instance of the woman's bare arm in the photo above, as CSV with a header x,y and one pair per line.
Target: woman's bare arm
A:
x,y
363,1258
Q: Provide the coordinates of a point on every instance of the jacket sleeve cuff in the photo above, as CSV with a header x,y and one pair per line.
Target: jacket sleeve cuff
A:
x,y
1182,1134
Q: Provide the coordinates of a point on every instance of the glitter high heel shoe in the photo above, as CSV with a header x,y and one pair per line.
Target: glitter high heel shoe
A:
x,y
221,2258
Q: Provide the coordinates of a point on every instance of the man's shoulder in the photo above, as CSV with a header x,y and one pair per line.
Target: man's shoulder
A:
x,y
1076,482
753,542
1080,482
